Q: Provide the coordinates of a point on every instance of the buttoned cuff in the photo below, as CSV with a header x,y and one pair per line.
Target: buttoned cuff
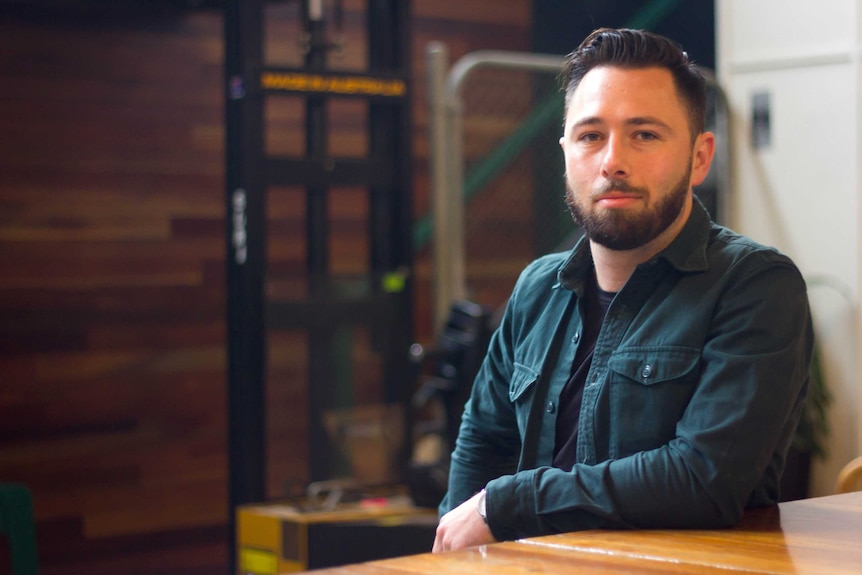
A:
x,y
510,504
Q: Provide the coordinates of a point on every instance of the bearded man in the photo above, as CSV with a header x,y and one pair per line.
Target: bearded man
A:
x,y
653,377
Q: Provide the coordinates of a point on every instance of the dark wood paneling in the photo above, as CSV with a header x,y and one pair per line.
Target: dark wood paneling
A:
x,y
112,333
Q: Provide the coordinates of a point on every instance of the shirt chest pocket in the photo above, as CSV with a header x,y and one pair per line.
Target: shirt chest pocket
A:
x,y
521,390
654,365
650,388
523,380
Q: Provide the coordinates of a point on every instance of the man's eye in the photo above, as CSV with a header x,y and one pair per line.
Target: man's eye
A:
x,y
646,136
589,137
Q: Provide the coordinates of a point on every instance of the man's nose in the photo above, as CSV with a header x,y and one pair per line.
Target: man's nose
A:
x,y
615,160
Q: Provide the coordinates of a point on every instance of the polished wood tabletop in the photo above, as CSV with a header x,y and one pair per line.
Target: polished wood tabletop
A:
x,y
821,536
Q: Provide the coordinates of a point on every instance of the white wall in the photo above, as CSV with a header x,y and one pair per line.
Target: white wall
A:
x,y
802,192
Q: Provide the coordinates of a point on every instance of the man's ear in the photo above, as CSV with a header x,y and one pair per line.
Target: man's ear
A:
x,y
701,158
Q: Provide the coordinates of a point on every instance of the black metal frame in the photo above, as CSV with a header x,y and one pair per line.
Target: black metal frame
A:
x,y
387,175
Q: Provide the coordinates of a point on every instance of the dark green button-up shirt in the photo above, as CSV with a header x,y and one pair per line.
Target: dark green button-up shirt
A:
x,y
694,392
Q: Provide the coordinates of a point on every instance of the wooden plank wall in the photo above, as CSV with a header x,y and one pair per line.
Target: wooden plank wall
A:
x,y
112,291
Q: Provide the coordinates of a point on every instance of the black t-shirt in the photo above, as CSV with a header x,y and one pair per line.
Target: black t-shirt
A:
x,y
566,442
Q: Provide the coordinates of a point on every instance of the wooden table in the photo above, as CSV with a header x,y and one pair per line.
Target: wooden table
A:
x,y
821,536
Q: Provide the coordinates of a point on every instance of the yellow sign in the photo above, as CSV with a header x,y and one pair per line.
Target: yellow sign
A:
x,y
346,85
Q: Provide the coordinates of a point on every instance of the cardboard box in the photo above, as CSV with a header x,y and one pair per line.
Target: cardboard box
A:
x,y
281,538
372,438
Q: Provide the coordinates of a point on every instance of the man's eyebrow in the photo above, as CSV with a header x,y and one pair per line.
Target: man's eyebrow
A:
x,y
648,121
588,121
636,121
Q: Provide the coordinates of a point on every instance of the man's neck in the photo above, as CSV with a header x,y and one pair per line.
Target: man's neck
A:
x,y
613,268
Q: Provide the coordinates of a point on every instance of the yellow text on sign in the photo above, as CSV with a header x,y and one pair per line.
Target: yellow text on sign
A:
x,y
347,85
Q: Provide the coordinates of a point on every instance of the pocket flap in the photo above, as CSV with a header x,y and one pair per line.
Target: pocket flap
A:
x,y
523,378
649,365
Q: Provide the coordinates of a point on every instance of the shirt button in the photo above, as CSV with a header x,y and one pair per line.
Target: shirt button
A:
x,y
646,371
550,408
577,337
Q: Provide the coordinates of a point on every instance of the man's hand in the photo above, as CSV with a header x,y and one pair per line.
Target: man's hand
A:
x,y
462,527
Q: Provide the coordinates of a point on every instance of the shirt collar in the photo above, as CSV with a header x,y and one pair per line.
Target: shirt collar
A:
x,y
686,253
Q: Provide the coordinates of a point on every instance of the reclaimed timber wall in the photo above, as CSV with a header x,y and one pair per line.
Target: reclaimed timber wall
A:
x,y
112,289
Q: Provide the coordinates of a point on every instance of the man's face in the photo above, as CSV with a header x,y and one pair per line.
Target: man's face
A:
x,y
630,162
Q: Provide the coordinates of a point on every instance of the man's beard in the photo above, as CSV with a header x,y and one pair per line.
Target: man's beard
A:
x,y
621,230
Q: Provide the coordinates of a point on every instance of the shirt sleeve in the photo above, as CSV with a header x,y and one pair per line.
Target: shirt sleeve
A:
x,y
739,421
488,442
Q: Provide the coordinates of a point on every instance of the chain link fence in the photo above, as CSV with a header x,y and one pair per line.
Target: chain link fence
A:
x,y
513,178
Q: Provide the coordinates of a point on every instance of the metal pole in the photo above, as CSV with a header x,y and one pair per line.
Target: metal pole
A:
x,y
455,203
723,160
437,61
246,257
320,338
453,151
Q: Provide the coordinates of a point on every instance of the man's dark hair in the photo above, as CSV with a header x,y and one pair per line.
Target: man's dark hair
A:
x,y
635,49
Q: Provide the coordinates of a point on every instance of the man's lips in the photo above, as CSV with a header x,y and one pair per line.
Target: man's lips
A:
x,y
617,199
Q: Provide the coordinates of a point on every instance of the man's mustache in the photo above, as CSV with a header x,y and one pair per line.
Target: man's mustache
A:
x,y
619,186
